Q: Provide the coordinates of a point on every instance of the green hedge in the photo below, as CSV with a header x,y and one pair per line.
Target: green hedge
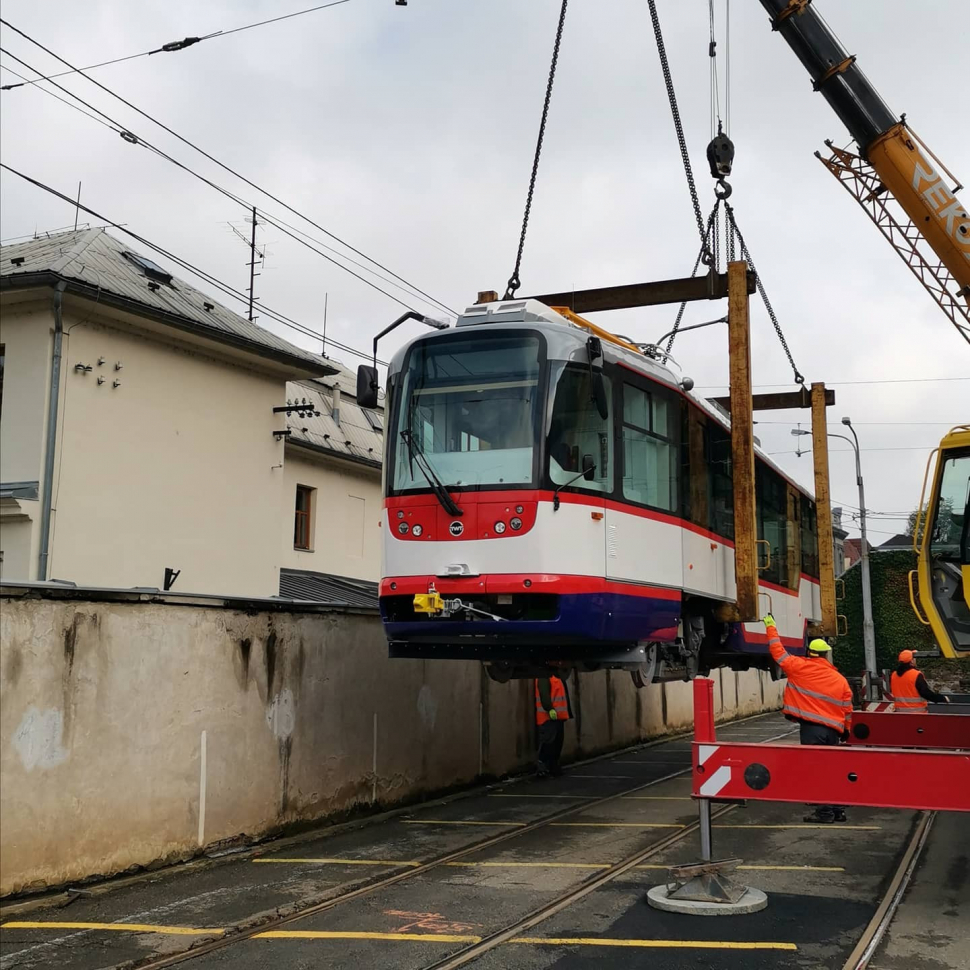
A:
x,y
896,626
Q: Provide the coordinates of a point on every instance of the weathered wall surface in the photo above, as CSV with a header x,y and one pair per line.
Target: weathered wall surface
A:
x,y
133,732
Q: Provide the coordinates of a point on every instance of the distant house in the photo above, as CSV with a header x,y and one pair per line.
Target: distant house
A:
x,y
838,542
145,440
898,542
853,551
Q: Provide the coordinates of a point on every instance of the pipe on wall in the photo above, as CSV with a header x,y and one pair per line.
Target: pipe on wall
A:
x,y
50,442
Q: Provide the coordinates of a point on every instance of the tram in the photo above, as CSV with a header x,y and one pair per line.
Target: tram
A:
x,y
554,495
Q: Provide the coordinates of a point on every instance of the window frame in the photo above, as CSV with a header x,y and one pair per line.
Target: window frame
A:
x,y
626,377
304,517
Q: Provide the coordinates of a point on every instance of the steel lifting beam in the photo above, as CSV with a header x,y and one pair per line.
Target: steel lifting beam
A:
x,y
877,777
779,401
901,730
714,286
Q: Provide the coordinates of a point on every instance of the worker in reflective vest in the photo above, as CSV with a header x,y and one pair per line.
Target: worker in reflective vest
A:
x,y
909,688
552,711
818,697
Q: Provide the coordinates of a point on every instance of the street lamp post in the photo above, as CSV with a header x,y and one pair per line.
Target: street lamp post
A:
x,y
868,629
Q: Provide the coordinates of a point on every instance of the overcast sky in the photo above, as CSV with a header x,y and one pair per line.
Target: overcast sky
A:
x,y
409,133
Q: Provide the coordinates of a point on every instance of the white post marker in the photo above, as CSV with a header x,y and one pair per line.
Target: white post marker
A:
x,y
202,783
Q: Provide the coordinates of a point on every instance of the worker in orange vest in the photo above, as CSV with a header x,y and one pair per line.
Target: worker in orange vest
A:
x,y
818,697
552,711
909,688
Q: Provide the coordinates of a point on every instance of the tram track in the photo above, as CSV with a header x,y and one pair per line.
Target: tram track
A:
x,y
249,929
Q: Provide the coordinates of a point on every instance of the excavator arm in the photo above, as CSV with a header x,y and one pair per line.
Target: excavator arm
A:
x,y
892,160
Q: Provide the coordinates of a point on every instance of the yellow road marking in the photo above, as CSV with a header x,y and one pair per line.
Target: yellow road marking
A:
x,y
448,821
504,795
336,935
116,927
348,862
659,944
533,865
617,825
528,940
598,777
658,798
803,825
768,868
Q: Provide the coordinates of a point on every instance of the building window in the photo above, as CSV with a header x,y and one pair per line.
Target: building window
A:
x,y
649,455
303,517
374,420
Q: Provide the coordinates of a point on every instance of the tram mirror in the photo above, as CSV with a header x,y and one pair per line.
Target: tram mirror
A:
x,y
367,386
589,467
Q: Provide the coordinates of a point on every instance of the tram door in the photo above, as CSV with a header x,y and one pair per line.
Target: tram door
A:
x,y
643,534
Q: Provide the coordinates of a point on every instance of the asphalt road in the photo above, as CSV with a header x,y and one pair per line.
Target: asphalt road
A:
x,y
824,884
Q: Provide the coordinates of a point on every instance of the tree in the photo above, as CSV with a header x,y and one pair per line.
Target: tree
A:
x,y
944,522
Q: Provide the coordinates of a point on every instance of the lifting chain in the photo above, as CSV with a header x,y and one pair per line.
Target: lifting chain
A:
x,y
746,255
708,232
514,281
706,257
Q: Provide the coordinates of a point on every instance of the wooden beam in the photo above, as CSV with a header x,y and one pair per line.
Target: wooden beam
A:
x,y
714,286
779,401
742,443
823,512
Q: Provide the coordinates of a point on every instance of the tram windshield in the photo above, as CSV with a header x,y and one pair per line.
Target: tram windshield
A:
x,y
470,405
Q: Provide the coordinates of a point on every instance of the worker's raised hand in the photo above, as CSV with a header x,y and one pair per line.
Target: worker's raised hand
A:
x,y
553,716
768,620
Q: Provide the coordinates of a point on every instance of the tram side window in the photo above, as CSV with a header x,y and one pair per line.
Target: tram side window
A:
x,y
809,524
722,481
772,505
649,453
576,429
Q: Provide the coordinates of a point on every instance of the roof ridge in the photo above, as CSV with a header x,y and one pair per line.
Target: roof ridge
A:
x,y
85,238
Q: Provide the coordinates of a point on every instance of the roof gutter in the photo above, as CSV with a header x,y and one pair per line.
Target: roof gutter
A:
x,y
50,441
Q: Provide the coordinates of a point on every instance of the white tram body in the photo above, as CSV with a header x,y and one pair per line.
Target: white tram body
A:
x,y
580,525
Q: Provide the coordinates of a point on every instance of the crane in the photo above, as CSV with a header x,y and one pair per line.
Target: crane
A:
x,y
894,169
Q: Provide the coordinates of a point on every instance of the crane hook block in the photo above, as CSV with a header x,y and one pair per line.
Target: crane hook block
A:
x,y
720,155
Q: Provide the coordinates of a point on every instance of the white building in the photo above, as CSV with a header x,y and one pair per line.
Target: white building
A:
x,y
139,440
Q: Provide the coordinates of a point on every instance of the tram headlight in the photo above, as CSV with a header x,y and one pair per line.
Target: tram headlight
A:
x,y
499,528
403,528
400,513
516,524
416,531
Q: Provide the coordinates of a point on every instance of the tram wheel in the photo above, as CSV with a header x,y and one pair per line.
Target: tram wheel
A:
x,y
501,673
644,674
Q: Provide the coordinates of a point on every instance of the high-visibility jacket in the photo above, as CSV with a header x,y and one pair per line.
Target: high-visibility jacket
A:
x,y
816,691
906,696
560,702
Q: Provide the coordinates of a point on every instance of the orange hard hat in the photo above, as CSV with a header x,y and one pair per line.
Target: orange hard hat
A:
x,y
906,656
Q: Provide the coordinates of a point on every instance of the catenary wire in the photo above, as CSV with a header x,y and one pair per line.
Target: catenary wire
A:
x,y
176,46
226,167
200,273
131,138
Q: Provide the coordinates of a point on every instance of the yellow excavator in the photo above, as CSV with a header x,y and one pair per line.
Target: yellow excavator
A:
x,y
939,587
903,188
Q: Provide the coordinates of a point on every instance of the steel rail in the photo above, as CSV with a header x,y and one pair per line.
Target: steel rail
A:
x,y
875,930
232,938
588,885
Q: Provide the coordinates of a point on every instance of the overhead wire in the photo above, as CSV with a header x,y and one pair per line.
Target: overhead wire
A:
x,y
134,139
228,168
219,284
176,45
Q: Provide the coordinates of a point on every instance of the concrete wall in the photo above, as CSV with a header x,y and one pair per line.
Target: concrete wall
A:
x,y
134,732
345,519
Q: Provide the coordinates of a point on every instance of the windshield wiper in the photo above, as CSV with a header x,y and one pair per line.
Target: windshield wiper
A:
x,y
418,457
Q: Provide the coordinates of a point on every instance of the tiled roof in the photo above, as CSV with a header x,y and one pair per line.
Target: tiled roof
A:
x,y
357,437
311,587
93,263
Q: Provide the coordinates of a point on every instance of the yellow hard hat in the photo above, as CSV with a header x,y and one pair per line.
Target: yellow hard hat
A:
x,y
819,646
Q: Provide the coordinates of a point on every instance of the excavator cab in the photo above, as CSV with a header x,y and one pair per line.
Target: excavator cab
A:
x,y
942,541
